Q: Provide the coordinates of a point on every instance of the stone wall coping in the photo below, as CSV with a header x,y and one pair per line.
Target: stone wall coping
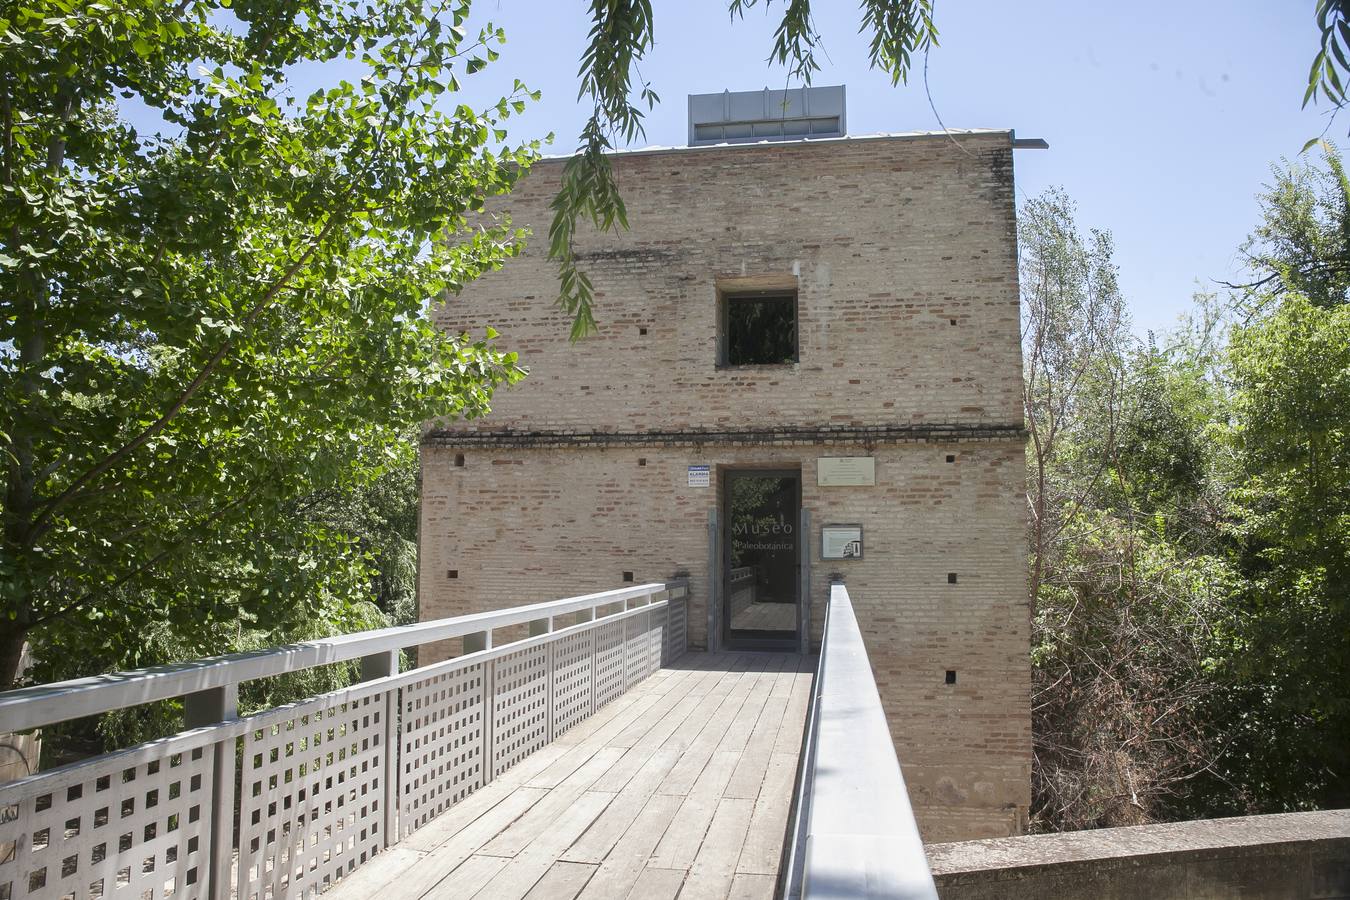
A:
x,y
1122,847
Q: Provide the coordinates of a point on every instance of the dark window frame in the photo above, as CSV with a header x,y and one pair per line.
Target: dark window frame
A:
x,y
727,296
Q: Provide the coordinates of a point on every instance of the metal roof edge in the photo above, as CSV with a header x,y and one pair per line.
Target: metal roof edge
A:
x,y
949,133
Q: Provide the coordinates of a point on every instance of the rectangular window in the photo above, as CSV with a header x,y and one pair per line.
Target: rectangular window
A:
x,y
758,328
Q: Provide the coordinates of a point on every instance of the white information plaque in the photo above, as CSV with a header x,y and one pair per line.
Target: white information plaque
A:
x,y
700,476
846,471
841,542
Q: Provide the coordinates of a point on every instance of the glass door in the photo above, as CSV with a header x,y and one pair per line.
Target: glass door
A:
x,y
762,554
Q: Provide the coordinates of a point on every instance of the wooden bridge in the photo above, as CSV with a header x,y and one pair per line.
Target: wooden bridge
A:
x,y
682,786
594,757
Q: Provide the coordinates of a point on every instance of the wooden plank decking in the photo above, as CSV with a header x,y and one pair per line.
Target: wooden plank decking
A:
x,y
680,788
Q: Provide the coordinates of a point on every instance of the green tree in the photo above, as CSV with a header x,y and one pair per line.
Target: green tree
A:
x,y
1074,336
1192,631
369,574
204,326
1165,458
1291,645
1135,600
1289,365
1303,241
1126,602
1124,676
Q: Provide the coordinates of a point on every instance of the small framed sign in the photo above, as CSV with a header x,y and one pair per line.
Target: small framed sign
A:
x,y
700,476
841,542
846,471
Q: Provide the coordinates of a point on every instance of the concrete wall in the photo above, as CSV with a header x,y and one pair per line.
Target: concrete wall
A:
x,y
1280,857
890,242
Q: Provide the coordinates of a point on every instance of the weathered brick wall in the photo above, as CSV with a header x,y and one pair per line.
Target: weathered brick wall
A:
x,y
520,526
892,239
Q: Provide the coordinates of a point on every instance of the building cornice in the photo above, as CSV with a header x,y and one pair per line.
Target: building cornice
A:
x,y
790,435
950,135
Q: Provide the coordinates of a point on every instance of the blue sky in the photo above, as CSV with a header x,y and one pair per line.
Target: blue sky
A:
x,y
1163,118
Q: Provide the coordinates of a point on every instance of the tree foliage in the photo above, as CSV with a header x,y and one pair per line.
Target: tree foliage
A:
x,y
1290,656
1191,640
1329,74
1303,243
372,571
1124,612
208,324
1073,335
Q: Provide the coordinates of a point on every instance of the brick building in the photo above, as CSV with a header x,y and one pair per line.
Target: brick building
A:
x,y
808,365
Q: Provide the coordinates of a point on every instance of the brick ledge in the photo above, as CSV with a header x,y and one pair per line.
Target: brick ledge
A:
x,y
692,437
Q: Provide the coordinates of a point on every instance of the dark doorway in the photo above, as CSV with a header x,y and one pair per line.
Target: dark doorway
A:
x,y
762,555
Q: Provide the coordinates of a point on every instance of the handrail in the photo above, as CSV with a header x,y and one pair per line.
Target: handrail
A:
x,y
854,834
287,800
46,704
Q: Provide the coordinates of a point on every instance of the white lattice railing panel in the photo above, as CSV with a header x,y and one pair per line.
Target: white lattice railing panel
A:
x,y
325,784
677,634
656,638
520,683
635,653
132,824
312,795
573,663
652,638
442,743
608,680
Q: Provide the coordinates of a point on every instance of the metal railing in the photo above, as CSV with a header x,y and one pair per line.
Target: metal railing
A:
x,y
853,833
284,802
